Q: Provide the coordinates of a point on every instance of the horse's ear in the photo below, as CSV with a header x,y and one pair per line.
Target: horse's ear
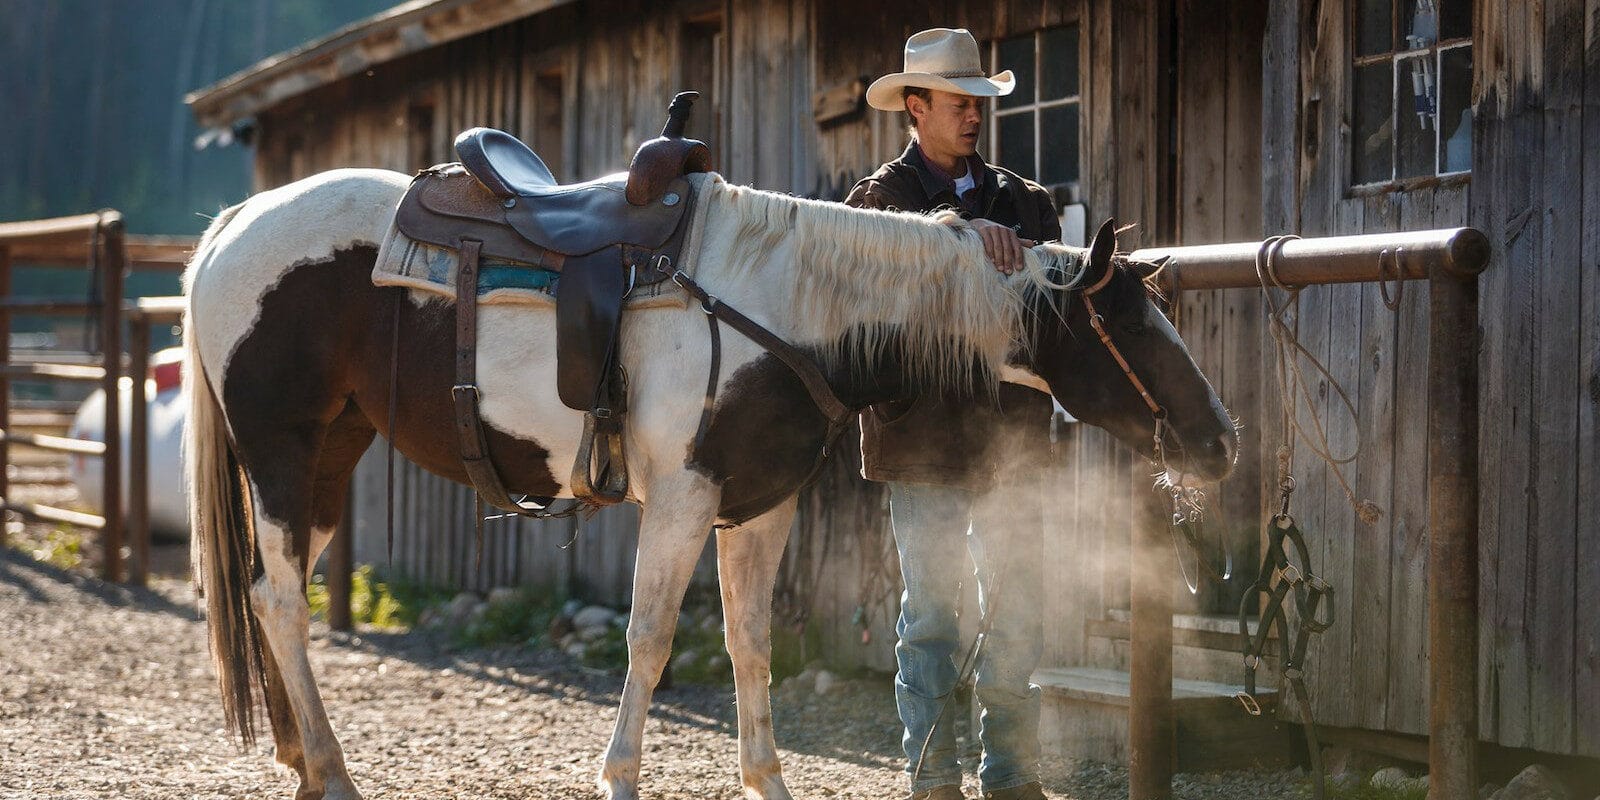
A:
x,y
1103,245
1101,248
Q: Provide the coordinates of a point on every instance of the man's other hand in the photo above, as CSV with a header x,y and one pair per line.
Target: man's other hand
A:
x,y
1001,244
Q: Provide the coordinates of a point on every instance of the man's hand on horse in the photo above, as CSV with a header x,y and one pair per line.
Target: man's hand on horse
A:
x,y
1002,245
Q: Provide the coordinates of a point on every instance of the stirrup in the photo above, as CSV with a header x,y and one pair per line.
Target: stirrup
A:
x,y
611,464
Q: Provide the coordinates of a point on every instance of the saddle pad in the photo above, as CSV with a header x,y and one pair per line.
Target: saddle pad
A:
x,y
403,261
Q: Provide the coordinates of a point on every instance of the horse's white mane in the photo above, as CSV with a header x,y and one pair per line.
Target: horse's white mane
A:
x,y
870,273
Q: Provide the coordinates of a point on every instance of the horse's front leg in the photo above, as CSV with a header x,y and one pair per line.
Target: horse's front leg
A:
x,y
672,533
747,567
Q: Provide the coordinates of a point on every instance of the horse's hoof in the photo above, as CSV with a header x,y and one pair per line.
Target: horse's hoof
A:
x,y
619,790
334,791
771,790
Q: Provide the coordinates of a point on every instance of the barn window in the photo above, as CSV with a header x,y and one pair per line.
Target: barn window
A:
x,y
1035,129
1411,89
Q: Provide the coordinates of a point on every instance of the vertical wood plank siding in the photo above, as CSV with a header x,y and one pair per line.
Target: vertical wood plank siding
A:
x,y
1259,145
1586,679
1532,191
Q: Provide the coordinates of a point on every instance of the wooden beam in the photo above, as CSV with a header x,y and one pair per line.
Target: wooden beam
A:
x,y
66,372
53,514
156,309
59,444
150,252
14,233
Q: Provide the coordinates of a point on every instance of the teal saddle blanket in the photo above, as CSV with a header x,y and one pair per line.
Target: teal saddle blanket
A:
x,y
403,261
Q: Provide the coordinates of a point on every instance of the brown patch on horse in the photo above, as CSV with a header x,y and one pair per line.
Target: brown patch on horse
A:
x,y
309,386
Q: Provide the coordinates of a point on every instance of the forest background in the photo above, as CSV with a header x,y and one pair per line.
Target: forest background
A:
x,y
92,113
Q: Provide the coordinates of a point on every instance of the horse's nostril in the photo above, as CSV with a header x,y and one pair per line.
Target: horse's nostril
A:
x,y
1222,445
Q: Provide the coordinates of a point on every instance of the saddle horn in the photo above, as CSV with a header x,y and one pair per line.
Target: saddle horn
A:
x,y
660,160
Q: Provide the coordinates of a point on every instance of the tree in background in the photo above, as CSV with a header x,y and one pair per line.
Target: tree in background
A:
x,y
93,113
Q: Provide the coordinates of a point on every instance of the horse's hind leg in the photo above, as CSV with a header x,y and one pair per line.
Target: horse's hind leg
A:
x,y
677,519
747,567
282,460
347,438
287,749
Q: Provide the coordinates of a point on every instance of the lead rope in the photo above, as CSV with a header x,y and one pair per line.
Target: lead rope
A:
x,y
1292,383
1279,579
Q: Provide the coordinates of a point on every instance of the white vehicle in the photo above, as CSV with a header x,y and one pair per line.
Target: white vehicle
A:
x,y
168,405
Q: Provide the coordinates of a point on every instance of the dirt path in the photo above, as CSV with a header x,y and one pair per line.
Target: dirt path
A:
x,y
106,692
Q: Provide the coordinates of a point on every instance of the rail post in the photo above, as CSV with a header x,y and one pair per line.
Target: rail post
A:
x,y
5,388
1150,717
341,562
1453,530
138,449
112,262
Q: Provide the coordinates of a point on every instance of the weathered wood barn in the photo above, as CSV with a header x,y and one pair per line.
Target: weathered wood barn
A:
x,y
1198,121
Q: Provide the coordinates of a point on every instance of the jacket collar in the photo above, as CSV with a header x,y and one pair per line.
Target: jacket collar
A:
x,y
988,180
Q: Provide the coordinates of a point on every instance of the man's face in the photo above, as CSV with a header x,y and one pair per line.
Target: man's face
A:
x,y
949,124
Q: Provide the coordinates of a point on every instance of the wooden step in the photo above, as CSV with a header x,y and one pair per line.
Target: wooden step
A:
x,y
1204,648
1085,715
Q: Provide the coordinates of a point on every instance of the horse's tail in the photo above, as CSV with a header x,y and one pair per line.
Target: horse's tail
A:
x,y
220,523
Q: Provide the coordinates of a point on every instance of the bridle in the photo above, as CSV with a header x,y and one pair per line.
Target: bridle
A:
x,y
1187,501
1097,321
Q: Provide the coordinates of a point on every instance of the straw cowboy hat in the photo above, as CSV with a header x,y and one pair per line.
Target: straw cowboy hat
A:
x,y
939,58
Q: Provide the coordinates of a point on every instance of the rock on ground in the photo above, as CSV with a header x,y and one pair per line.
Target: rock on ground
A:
x,y
1536,782
107,691
593,617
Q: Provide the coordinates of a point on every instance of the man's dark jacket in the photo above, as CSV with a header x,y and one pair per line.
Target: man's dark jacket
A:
x,y
954,440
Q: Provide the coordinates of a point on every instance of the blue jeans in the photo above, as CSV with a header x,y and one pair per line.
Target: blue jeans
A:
x,y
937,554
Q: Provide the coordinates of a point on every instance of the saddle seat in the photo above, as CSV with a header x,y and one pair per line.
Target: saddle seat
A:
x,y
571,219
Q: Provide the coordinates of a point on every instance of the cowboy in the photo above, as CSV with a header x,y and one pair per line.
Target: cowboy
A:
x,y
941,454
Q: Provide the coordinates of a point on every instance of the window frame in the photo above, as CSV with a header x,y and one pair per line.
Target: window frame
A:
x,y
1036,107
1396,59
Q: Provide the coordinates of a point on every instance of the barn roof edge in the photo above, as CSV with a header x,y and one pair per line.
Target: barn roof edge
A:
x,y
407,28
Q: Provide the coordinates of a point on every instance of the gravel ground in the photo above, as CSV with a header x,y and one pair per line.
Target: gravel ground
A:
x,y
106,691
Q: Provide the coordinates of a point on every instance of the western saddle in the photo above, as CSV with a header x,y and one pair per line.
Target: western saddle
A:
x,y
605,237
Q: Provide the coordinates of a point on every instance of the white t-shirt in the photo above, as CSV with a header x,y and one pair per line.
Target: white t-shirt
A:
x,y
965,182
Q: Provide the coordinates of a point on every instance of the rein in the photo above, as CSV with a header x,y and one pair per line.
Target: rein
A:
x,y
837,413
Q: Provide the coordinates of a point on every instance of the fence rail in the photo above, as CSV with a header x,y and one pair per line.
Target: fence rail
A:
x,y
96,241
99,240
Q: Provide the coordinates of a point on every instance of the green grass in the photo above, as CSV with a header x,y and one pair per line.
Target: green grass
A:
x,y
525,619
61,547
382,604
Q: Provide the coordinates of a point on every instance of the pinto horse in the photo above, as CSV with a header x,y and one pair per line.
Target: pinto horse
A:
x,y
291,346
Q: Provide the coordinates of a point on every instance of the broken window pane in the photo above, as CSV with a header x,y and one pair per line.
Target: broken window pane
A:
x,y
1455,109
1373,134
1455,19
1058,63
1016,143
1058,144
1374,27
1017,56
1416,111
